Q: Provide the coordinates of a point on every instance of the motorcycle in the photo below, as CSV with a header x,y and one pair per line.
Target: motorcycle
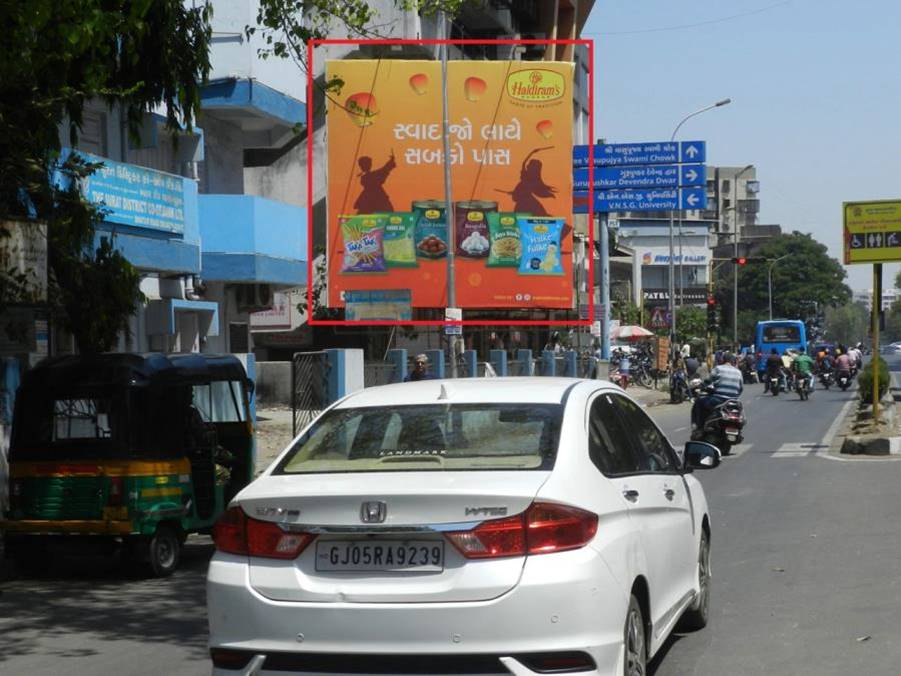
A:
x,y
723,426
802,386
843,379
748,373
695,388
827,379
774,383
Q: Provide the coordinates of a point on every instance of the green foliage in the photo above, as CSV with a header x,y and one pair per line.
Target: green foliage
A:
x,y
848,324
865,379
691,323
626,312
286,26
60,54
808,278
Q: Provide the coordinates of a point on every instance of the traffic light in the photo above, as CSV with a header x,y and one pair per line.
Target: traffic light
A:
x,y
711,315
744,260
741,260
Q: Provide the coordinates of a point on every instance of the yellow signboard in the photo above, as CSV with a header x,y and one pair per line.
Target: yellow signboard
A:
x,y
872,231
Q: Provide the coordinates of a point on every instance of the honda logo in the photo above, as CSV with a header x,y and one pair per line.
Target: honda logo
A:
x,y
373,512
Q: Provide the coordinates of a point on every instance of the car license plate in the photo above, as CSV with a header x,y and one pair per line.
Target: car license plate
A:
x,y
380,555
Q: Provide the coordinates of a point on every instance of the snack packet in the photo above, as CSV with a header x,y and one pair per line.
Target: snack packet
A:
x,y
540,246
505,241
363,250
471,228
431,229
398,243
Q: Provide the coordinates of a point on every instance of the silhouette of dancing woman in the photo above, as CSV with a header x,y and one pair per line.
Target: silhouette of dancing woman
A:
x,y
531,187
374,199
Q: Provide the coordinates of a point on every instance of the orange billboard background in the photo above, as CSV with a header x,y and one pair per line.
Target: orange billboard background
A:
x,y
510,144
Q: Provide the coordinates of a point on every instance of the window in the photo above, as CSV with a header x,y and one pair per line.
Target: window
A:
x,y
726,186
219,401
429,437
655,453
782,334
609,446
81,419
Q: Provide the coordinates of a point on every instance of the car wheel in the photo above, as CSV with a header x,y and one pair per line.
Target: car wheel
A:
x,y
698,613
636,662
165,551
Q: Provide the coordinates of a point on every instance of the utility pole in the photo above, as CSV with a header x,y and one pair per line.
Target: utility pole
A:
x,y
449,203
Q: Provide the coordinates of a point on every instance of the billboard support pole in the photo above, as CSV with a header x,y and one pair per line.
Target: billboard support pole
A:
x,y
449,206
877,307
605,286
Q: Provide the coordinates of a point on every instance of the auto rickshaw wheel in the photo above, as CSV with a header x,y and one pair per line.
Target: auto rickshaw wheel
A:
x,y
164,550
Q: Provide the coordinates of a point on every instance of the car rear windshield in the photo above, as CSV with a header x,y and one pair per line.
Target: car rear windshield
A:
x,y
433,437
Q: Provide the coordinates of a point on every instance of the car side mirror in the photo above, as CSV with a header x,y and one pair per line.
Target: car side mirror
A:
x,y
701,455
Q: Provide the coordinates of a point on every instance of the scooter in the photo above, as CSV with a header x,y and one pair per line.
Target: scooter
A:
x,y
723,426
679,390
827,379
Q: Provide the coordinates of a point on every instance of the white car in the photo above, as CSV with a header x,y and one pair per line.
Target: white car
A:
x,y
502,526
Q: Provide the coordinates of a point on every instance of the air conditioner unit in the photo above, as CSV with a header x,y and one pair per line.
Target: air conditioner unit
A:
x,y
253,297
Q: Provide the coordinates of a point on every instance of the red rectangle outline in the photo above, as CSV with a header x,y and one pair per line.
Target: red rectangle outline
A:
x,y
437,322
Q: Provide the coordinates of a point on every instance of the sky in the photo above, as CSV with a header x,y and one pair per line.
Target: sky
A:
x,y
815,88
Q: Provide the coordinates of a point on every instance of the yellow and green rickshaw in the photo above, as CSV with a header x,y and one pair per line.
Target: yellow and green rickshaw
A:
x,y
126,452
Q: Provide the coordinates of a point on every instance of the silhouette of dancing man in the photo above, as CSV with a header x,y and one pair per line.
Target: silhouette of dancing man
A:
x,y
374,199
531,187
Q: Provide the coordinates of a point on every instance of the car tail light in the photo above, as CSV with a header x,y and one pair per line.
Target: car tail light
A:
x,y
224,658
237,533
114,499
543,528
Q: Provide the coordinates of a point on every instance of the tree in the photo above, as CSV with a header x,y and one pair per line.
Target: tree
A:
x,y
691,323
847,323
804,283
58,55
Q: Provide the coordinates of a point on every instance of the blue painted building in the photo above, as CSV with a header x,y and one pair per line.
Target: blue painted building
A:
x,y
214,241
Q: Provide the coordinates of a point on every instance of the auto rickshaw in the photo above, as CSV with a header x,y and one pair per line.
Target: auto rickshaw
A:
x,y
127,452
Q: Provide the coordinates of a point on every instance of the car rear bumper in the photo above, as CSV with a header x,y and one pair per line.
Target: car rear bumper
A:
x,y
564,602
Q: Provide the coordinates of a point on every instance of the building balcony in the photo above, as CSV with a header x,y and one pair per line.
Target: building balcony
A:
x,y
253,240
266,117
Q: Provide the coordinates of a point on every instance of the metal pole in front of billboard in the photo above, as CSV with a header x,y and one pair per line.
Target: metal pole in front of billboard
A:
x,y
449,204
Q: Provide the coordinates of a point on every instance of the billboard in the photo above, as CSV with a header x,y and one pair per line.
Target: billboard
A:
x,y
510,152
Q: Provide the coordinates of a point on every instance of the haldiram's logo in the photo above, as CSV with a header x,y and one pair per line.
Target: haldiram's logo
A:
x,y
535,85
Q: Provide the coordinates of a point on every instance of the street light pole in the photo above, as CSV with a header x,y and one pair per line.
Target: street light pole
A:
x,y
769,277
672,252
449,203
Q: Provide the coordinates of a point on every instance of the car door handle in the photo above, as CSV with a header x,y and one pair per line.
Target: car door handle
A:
x,y
669,493
631,495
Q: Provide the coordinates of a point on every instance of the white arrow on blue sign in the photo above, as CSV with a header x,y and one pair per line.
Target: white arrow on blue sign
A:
x,y
629,154
642,176
667,199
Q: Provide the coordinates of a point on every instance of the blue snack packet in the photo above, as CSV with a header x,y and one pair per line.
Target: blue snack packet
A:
x,y
540,246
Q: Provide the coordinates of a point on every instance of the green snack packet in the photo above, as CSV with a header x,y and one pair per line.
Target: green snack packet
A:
x,y
398,243
505,240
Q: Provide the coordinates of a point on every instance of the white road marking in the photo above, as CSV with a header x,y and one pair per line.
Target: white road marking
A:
x,y
738,450
827,439
680,429
797,449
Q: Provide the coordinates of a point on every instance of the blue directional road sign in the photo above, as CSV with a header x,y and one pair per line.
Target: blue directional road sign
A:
x,y
627,154
647,176
668,199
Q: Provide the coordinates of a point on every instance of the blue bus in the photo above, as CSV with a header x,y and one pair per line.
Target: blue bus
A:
x,y
781,334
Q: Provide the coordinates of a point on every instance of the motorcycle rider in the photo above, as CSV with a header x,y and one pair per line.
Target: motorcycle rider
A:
x,y
842,365
803,367
856,356
773,368
727,384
